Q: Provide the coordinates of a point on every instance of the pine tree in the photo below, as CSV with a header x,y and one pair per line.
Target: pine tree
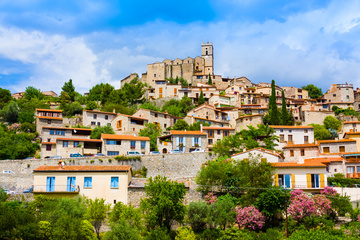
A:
x,y
284,112
273,111
201,99
210,80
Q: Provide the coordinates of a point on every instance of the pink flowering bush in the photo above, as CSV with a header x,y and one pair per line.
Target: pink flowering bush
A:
x,y
322,204
301,206
249,217
359,217
210,198
329,191
295,193
15,127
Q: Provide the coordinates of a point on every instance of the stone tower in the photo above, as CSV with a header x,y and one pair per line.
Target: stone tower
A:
x,y
207,53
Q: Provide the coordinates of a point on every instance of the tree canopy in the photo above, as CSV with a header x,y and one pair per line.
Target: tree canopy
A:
x,y
153,131
96,132
314,92
69,88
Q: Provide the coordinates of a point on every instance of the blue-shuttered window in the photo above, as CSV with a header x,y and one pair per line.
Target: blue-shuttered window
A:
x,y
132,144
50,184
52,132
114,182
112,153
87,182
65,144
143,144
71,184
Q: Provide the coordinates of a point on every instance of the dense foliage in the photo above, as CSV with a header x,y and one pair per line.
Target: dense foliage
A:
x,y
314,92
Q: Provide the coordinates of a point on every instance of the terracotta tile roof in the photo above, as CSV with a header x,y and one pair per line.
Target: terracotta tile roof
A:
x,y
324,160
48,143
93,111
301,145
351,122
297,165
48,110
262,150
45,117
352,133
123,137
110,168
65,128
336,141
78,139
175,132
281,126
218,128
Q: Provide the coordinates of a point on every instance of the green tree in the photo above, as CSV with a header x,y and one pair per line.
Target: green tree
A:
x,y
320,132
210,80
96,213
134,91
228,145
128,213
197,215
183,82
101,92
185,233
284,112
152,131
314,92
150,106
91,105
96,132
332,123
32,92
273,110
163,203
109,107
180,125
10,112
201,98
178,108
222,211
5,97
69,89
73,109
196,126
122,230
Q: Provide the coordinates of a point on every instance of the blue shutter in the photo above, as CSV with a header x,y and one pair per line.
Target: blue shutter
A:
x,y
199,142
287,181
193,141
51,132
48,184
184,141
63,133
177,141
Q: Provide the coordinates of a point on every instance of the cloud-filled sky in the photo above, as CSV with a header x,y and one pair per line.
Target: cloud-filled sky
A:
x,y
45,43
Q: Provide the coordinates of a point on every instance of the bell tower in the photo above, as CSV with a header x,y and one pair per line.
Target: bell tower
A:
x,y
207,51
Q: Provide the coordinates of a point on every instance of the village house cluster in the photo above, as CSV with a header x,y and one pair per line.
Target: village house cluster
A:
x,y
301,161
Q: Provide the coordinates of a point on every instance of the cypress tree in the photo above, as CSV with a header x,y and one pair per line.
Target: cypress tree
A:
x,y
201,99
284,112
273,111
210,80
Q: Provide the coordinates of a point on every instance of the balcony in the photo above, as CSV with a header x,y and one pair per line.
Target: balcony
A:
x,y
353,175
44,189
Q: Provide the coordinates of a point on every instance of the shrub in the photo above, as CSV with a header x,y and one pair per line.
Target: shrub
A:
x,y
110,160
92,161
250,218
301,206
185,233
197,213
100,160
210,198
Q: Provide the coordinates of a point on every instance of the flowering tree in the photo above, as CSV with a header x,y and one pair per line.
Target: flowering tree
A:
x,y
301,205
210,198
323,205
329,191
249,217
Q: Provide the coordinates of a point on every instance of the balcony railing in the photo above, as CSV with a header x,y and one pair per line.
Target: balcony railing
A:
x,y
353,175
56,189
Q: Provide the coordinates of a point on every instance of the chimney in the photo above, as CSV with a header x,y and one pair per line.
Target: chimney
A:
x,y
201,127
185,130
114,110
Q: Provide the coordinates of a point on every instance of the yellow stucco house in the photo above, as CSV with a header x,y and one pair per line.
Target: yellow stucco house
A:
x,y
107,182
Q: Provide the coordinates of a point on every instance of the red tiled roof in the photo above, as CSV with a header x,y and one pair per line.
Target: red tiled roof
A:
x,y
296,164
352,133
123,137
336,141
175,132
218,128
45,117
351,122
48,110
324,160
117,168
284,126
48,143
301,145
66,128
79,139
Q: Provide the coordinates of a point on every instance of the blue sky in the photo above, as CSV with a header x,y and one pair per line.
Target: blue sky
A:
x,y
45,43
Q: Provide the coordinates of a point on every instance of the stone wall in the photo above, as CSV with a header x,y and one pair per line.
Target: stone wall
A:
x,y
182,167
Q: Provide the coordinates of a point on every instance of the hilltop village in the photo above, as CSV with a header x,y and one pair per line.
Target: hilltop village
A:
x,y
178,110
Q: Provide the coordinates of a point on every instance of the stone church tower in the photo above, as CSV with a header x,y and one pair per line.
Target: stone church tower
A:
x,y
207,53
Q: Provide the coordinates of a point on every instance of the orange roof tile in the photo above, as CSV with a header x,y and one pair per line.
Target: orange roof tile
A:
x,y
352,133
301,145
324,160
336,141
118,168
79,139
123,137
93,111
48,143
297,165
351,122
45,117
48,110
218,128
282,126
66,128
175,132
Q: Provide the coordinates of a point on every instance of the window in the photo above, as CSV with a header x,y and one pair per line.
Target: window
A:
x,y
315,181
143,144
284,180
341,149
154,74
302,152
210,141
112,153
94,116
290,139
98,123
334,95
132,144
226,133
300,96
195,142
358,169
326,150
65,144
93,123
71,184
291,153
305,131
281,130
218,132
106,117
114,182
57,132
306,139
119,124
113,142
281,137
50,184
76,144
87,182
350,169
290,131
52,132
48,147
63,133
211,133
156,115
